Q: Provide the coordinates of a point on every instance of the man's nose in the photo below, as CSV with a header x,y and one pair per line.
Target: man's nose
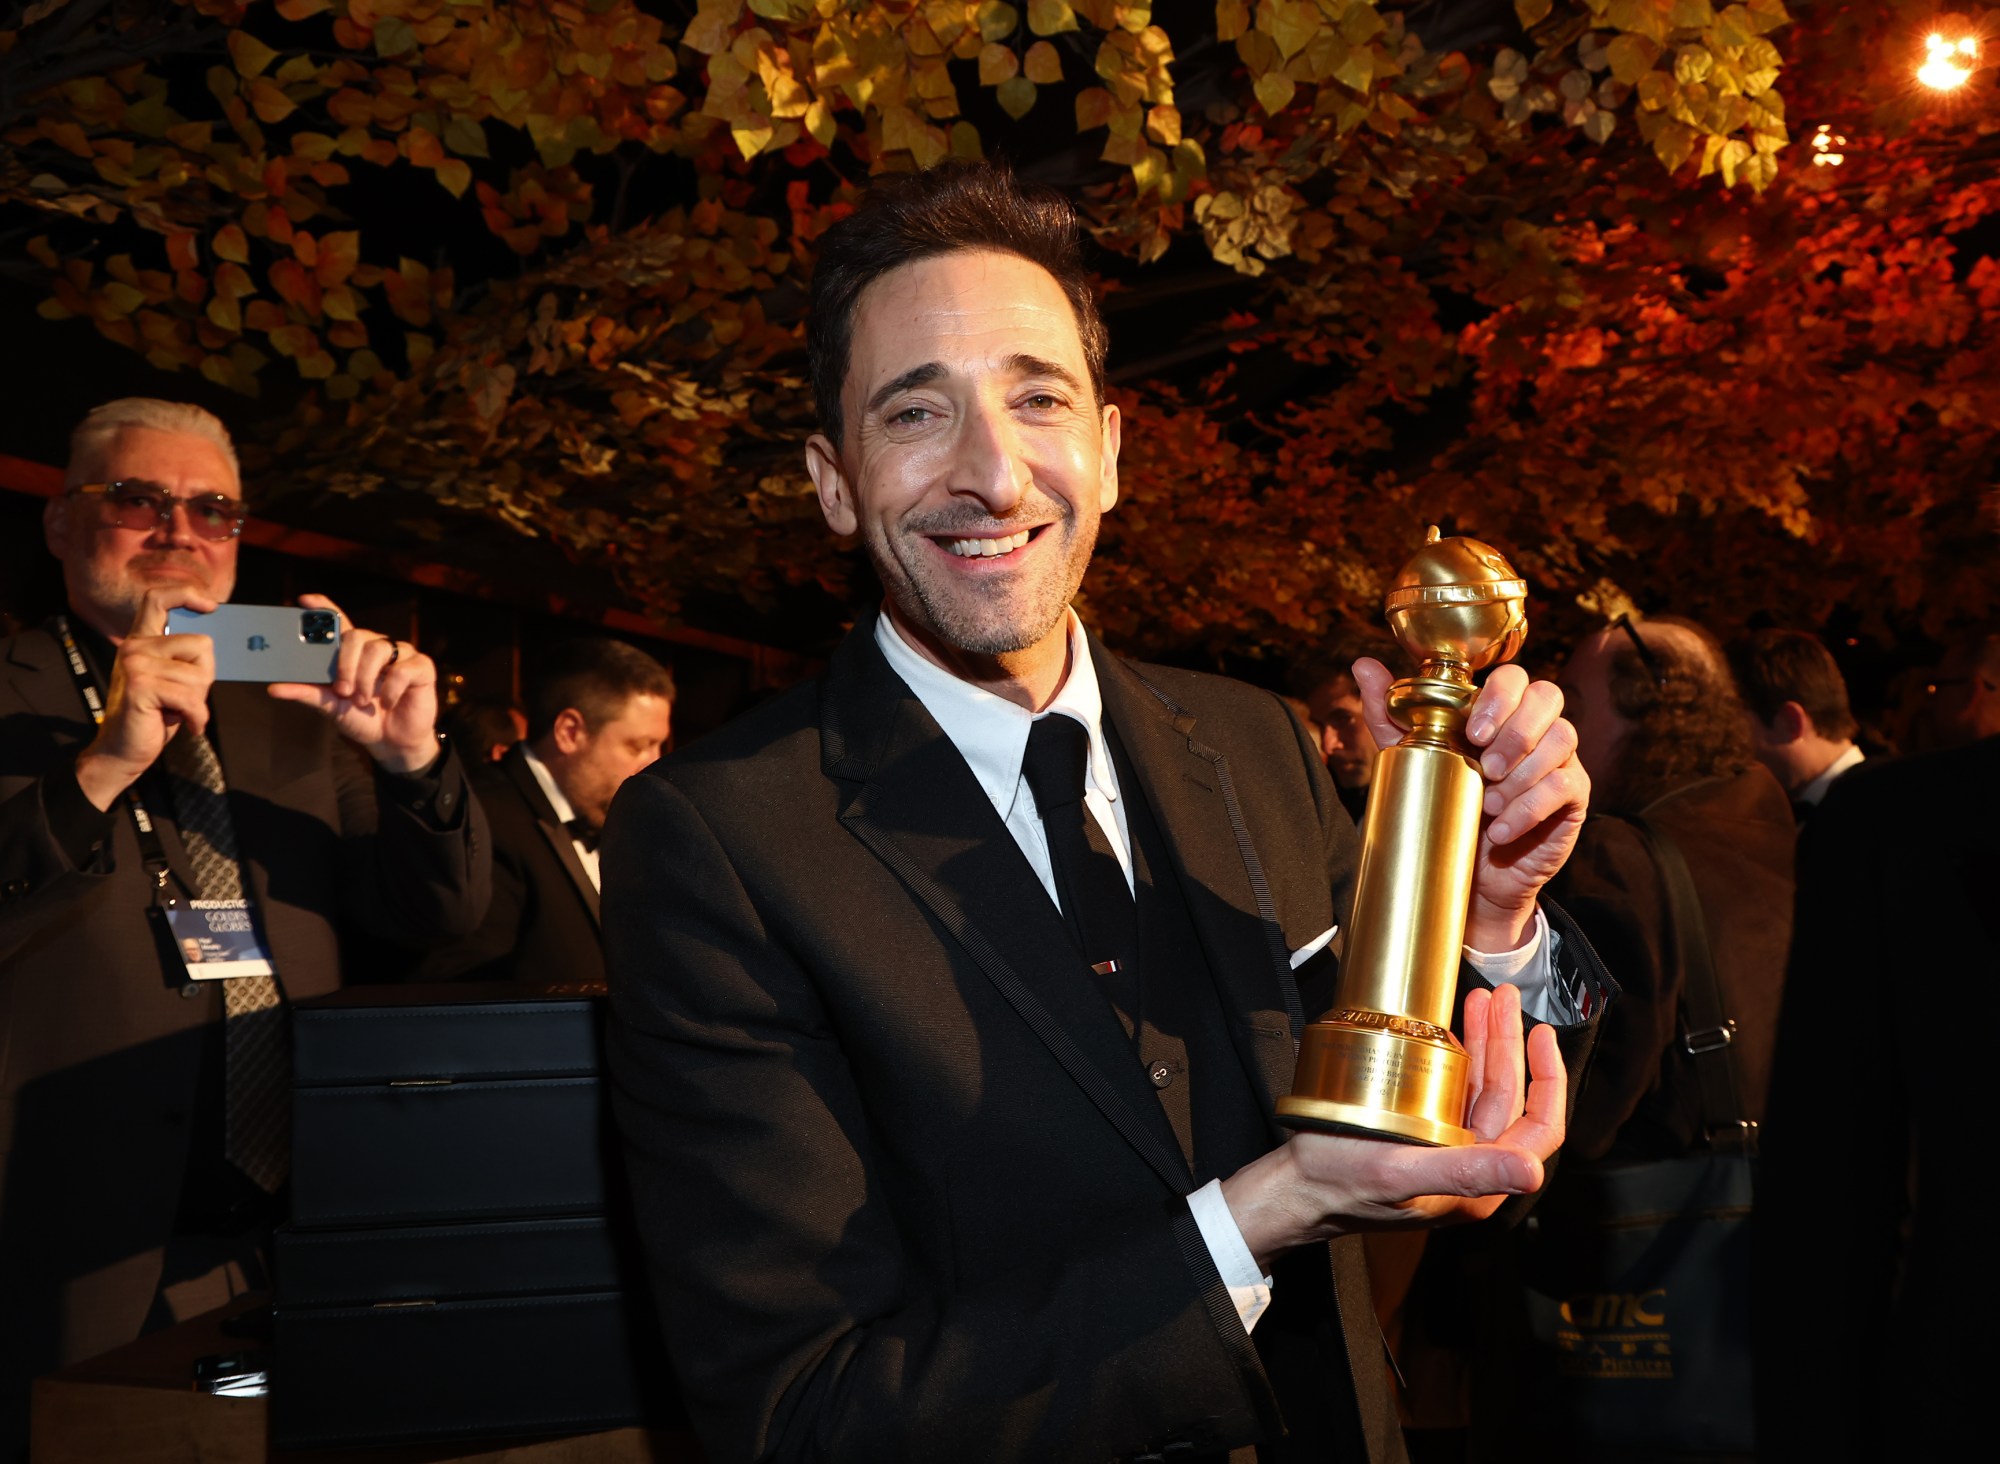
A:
x,y
986,459
176,530
1329,741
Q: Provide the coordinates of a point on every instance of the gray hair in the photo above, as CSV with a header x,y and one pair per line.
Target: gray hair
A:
x,y
96,431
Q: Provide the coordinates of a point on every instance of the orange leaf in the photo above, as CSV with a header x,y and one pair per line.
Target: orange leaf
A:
x,y
182,250
230,244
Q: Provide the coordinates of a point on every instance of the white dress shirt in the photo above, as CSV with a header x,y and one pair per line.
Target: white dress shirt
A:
x,y
564,812
991,734
1814,791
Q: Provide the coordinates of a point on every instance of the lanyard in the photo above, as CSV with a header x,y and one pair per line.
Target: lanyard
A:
x,y
151,850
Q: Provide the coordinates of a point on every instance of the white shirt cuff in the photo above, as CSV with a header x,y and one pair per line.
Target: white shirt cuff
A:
x,y
1528,968
1249,1288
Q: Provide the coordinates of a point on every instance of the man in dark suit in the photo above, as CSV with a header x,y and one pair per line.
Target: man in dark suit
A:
x,y
954,990
1874,1280
143,1114
598,712
1800,721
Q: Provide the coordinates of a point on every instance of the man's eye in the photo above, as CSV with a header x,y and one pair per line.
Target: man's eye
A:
x,y
1042,401
213,510
138,499
912,415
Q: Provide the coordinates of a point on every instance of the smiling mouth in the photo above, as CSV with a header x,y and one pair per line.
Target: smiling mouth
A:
x,y
987,548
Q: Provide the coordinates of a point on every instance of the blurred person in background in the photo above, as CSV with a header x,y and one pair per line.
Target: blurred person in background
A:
x,y
598,712
1801,726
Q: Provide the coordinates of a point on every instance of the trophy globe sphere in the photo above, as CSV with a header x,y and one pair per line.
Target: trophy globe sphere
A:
x,y
1458,601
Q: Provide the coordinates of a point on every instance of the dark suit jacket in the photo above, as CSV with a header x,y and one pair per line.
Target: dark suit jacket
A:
x,y
906,1193
1875,1284
1737,836
99,1056
541,926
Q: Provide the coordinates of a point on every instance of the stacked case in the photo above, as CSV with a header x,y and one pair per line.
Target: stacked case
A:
x,y
453,1267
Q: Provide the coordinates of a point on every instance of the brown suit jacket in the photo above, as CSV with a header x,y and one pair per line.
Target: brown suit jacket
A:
x,y
99,1054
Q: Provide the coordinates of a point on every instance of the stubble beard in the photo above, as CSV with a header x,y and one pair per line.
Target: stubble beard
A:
x,y
995,619
118,593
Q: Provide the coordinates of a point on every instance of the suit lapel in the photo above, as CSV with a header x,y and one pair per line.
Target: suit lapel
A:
x,y
514,766
1191,788
917,807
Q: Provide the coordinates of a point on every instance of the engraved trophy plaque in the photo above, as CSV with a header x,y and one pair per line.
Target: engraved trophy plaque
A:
x,y
1384,1063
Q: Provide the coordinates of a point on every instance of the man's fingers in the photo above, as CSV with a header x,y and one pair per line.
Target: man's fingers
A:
x,y
155,603
1502,1076
1467,1173
1495,704
1372,680
1541,1127
1567,787
1478,1021
1557,744
321,698
1514,736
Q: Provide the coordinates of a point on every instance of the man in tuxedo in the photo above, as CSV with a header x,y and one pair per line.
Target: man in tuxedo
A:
x,y
1800,723
144,1114
598,712
1872,1295
954,990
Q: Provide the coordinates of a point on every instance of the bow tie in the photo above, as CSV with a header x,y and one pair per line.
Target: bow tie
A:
x,y
584,833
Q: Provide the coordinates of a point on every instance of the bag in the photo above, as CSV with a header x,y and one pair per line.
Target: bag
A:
x,y
1637,1276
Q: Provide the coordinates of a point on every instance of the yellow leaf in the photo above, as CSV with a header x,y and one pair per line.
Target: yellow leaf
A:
x,y
1232,18
997,20
997,64
1631,58
1093,109
393,37
1016,96
965,142
455,175
1050,17
230,244
1291,25
1532,12
250,54
268,100
1043,64
1274,92
1163,125
465,137
713,26
819,122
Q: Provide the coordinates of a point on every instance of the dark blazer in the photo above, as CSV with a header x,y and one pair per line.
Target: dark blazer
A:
x,y
905,1191
1874,1283
541,926
1737,836
99,1056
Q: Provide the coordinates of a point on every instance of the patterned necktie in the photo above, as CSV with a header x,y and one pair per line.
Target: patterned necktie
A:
x,y
256,1036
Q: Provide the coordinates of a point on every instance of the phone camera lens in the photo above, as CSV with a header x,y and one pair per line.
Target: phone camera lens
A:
x,y
320,627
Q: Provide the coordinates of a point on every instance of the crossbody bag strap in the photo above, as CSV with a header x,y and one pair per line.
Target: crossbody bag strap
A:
x,y
1708,1032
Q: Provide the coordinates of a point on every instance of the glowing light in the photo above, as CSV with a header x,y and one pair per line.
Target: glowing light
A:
x,y
1948,64
1824,145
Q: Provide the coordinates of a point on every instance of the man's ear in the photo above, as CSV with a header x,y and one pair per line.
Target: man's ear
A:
x,y
1791,723
1113,429
56,527
836,489
570,731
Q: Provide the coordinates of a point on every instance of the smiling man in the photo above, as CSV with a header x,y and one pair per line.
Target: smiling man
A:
x,y
954,990
144,1094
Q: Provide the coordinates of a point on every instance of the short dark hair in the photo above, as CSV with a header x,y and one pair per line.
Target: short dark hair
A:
x,y
942,210
597,676
1687,721
1334,660
1777,666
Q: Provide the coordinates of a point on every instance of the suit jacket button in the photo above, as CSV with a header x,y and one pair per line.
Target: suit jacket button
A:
x,y
1162,1075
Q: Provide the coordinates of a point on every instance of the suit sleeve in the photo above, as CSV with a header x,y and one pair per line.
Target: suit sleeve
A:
x,y
804,1322
418,862
44,826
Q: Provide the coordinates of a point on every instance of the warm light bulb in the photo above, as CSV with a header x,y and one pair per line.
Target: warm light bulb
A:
x,y
1947,62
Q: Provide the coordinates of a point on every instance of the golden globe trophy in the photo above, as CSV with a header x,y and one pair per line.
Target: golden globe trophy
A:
x,y
1384,1063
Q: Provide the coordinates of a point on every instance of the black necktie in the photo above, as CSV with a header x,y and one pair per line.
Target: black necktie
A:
x,y
1090,883
583,833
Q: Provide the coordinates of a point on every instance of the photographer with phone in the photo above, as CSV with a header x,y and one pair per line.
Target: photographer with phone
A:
x,y
147,811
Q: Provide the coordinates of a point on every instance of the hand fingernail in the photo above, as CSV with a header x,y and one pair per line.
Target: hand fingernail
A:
x,y
1501,833
1479,728
1493,765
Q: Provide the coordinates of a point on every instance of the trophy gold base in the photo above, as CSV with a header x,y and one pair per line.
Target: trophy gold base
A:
x,y
1381,1077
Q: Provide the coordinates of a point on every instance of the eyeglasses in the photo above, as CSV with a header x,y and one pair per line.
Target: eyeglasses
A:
x,y
1646,657
134,503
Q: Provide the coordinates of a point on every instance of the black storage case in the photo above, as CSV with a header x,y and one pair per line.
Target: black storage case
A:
x,y
416,1103
453,1267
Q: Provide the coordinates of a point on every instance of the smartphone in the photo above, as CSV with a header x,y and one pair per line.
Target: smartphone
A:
x,y
266,642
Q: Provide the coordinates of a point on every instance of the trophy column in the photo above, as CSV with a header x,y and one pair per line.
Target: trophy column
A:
x,y
1384,1063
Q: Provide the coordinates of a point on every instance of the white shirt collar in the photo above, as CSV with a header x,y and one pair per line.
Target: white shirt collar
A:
x,y
990,732
1815,790
547,779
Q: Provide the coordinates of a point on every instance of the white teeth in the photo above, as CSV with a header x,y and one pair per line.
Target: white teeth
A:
x,y
987,548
